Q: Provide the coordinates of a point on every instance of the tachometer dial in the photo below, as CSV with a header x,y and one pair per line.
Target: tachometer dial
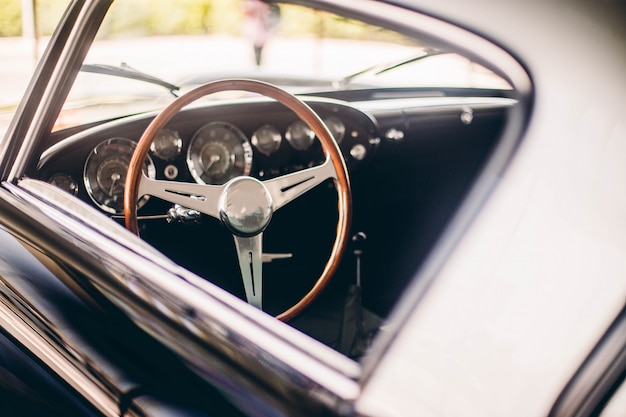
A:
x,y
219,152
300,136
267,139
64,182
167,144
105,174
336,127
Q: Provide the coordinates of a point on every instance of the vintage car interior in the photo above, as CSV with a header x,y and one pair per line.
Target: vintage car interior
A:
x,y
386,208
411,154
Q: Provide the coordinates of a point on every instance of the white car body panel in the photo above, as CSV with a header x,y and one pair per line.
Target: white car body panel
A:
x,y
541,272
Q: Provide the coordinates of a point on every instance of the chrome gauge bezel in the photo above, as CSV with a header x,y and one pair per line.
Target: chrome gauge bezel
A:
x,y
65,182
299,135
336,128
267,139
106,168
218,152
167,145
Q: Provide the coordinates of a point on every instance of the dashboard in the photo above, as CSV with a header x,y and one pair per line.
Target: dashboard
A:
x,y
411,160
207,145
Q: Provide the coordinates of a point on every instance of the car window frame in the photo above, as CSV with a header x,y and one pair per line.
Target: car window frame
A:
x,y
49,87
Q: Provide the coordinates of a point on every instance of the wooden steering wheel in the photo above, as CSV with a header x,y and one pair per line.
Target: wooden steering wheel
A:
x,y
244,204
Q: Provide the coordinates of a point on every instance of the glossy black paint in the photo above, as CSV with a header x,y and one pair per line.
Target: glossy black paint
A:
x,y
126,356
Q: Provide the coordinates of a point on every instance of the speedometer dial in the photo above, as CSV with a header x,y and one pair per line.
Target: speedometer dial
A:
x,y
218,152
105,174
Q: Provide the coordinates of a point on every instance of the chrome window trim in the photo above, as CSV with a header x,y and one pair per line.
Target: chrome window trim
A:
x,y
49,86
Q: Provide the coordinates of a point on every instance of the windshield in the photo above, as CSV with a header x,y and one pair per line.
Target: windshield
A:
x,y
302,51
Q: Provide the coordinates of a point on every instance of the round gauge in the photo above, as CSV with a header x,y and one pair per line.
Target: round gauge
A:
x,y
267,139
167,144
299,135
64,182
336,127
219,152
105,174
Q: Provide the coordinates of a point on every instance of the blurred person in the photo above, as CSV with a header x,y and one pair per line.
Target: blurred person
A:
x,y
255,26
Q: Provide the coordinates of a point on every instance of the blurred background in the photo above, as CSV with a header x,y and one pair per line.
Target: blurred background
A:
x,y
218,26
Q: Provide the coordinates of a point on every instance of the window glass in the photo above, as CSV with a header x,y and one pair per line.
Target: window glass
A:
x,y
297,48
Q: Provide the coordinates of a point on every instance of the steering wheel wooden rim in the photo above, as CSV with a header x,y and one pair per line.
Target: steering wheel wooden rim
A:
x,y
307,115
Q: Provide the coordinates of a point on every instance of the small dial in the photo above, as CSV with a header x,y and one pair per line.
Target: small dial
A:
x,y
267,139
105,174
167,145
300,136
218,152
336,127
64,182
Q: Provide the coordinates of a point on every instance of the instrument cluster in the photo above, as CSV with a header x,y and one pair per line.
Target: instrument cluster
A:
x,y
212,152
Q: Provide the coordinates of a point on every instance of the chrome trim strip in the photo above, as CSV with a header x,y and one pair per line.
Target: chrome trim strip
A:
x,y
435,103
55,82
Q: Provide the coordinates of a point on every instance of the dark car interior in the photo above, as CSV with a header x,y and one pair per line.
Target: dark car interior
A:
x,y
412,151
410,160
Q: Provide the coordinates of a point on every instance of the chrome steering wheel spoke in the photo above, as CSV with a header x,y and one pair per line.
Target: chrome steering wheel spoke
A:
x,y
201,197
287,188
249,253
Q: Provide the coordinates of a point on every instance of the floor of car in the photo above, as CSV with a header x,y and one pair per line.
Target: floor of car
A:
x,y
339,320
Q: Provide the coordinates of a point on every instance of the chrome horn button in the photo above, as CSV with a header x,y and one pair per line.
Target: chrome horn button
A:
x,y
245,206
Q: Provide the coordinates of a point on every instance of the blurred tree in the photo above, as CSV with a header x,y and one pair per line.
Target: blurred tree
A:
x,y
10,18
48,13
158,17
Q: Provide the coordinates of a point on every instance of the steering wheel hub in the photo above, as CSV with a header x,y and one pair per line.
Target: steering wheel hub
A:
x,y
245,206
